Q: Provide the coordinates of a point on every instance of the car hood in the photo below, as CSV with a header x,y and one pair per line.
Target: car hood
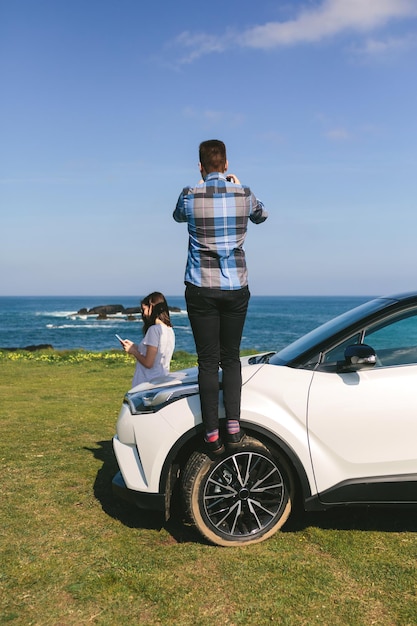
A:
x,y
250,365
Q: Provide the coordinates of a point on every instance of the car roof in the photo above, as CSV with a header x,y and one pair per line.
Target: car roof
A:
x,y
407,295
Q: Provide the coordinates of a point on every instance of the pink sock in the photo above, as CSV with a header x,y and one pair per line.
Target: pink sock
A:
x,y
212,435
233,426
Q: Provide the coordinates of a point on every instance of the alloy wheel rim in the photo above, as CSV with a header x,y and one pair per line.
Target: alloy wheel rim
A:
x,y
243,495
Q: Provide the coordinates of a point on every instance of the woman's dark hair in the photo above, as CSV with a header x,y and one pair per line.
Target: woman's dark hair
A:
x,y
212,155
159,310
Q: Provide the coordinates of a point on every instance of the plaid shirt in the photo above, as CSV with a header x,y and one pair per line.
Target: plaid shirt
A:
x,y
217,213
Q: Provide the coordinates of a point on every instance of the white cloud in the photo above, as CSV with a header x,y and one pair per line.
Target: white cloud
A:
x,y
327,19
331,18
338,134
334,131
211,116
373,48
200,44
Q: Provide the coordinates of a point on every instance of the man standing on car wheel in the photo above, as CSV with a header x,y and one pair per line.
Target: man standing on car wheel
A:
x,y
217,211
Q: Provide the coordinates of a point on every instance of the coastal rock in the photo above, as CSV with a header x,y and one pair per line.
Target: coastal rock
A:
x,y
133,310
104,310
33,348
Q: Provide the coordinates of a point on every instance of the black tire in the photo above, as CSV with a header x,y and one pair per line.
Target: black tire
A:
x,y
243,497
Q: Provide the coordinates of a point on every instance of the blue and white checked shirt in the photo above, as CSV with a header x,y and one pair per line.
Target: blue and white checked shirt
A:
x,y
217,213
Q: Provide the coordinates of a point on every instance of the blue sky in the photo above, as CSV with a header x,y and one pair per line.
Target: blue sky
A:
x,y
103,107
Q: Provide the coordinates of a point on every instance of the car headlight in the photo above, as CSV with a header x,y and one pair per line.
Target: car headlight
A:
x,y
152,400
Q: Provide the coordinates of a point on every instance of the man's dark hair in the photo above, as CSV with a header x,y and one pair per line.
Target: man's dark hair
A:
x,y
213,155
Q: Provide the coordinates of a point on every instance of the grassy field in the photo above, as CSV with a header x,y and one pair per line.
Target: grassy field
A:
x,y
71,554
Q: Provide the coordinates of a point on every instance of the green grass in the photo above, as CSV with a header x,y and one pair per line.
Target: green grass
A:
x,y
71,554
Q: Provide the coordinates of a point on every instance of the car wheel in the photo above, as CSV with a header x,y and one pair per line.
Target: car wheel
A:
x,y
241,498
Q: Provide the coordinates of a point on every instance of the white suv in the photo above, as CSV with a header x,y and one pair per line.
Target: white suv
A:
x,y
330,420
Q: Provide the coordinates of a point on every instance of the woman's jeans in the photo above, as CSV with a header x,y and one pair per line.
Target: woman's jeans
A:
x,y
217,318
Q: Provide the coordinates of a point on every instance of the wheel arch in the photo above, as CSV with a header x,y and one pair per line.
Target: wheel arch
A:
x,y
192,440
176,460
274,442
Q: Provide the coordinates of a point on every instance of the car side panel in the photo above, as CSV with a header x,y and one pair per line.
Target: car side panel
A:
x,y
276,399
363,425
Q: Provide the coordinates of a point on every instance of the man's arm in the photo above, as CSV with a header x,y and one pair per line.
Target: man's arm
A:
x,y
179,213
258,213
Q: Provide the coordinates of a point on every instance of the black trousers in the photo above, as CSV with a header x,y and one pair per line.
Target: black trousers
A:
x,y
217,318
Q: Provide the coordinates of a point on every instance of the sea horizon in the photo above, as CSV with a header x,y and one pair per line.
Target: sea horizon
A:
x,y
60,321
256,295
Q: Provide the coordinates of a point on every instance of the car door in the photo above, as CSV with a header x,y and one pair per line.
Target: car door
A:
x,y
362,425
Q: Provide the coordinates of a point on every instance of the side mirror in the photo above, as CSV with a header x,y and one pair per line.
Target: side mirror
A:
x,y
359,356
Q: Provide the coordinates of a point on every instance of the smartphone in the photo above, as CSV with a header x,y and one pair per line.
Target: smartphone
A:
x,y
119,338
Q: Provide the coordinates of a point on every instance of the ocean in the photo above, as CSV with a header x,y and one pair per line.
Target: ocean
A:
x,y
272,321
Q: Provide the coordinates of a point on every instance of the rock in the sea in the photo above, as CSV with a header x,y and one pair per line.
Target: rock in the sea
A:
x,y
104,310
133,310
107,309
40,346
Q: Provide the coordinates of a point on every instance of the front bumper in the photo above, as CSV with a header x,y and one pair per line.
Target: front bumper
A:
x,y
146,501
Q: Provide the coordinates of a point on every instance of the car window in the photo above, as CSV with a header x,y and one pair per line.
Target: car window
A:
x,y
394,340
320,336
338,353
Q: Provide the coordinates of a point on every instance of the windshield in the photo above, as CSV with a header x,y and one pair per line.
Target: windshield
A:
x,y
319,335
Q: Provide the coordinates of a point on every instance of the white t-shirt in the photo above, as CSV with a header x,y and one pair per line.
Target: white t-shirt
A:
x,y
162,337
